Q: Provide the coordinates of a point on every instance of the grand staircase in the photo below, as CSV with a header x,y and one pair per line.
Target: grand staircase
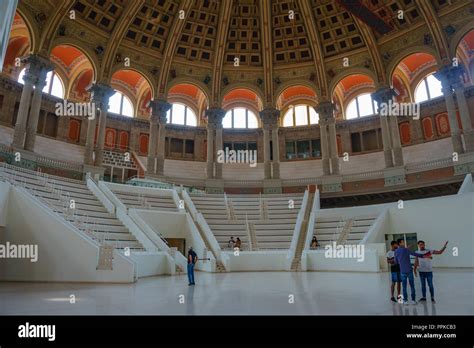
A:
x,y
75,203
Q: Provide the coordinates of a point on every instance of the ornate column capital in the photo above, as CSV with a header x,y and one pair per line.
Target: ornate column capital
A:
x,y
269,117
37,67
325,110
450,75
100,94
383,95
159,109
214,117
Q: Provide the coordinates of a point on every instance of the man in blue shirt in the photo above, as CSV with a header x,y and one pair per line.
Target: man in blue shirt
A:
x,y
192,259
402,258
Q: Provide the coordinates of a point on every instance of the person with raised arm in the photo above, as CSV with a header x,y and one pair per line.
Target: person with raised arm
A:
x,y
425,267
402,258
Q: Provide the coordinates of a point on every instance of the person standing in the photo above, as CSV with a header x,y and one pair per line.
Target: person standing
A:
x,y
394,269
231,243
425,267
238,243
192,259
402,257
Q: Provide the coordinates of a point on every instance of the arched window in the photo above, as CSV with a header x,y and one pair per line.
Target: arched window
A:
x,y
54,85
181,114
360,106
428,88
120,104
240,118
300,115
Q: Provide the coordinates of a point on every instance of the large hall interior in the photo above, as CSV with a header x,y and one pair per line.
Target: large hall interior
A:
x,y
288,142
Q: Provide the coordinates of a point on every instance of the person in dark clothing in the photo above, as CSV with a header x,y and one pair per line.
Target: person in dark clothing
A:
x,y
192,259
238,243
395,270
402,258
314,243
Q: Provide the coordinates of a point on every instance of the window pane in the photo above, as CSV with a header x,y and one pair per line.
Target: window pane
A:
x,y
191,119
127,108
178,114
227,120
57,90
253,121
168,116
20,77
302,147
365,105
48,82
239,118
351,111
114,103
288,118
316,148
313,116
290,150
420,92
301,115
434,85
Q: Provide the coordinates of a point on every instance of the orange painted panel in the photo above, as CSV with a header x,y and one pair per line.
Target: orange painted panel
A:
x,y
123,140
74,130
427,128
442,124
143,144
110,137
405,136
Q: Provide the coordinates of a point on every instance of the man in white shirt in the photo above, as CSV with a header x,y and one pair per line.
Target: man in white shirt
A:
x,y
425,267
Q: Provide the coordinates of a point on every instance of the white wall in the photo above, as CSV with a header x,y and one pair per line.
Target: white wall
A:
x,y
436,220
316,260
257,261
178,225
169,224
152,263
64,254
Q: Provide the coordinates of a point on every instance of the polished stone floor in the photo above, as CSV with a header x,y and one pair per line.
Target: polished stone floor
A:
x,y
338,293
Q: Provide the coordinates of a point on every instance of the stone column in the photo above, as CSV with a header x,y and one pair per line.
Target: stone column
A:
x,y
325,155
325,109
214,123
396,143
219,146
100,94
269,117
276,152
464,112
383,96
89,147
446,75
43,66
20,125
266,152
210,151
153,140
160,109
333,146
